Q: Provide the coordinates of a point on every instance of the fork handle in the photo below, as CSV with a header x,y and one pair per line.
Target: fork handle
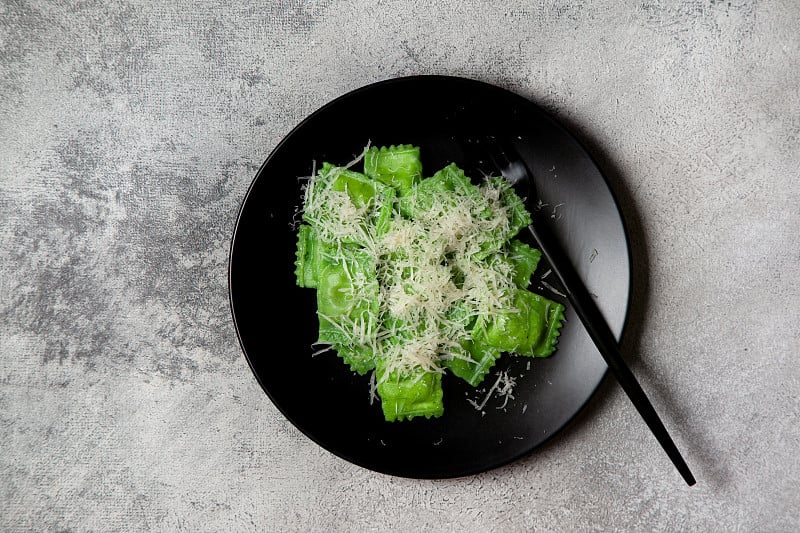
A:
x,y
606,343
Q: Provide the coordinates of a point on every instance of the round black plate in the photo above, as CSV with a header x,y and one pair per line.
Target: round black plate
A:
x,y
277,324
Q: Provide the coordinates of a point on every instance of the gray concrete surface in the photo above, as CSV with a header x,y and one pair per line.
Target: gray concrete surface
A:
x,y
129,132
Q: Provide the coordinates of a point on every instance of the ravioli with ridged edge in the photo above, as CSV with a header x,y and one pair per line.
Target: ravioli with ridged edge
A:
x,y
419,276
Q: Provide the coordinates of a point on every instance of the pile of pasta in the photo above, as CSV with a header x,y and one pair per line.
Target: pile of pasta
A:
x,y
418,276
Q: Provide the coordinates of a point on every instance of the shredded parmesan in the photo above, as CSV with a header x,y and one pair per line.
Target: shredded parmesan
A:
x,y
360,157
372,388
504,386
323,350
433,275
553,289
555,214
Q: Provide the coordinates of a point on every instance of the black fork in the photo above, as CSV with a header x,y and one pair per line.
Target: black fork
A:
x,y
501,155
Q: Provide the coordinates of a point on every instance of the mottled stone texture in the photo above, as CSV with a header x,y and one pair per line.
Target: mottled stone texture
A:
x,y
129,132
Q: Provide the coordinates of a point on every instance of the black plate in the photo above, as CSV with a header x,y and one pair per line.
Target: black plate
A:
x,y
276,321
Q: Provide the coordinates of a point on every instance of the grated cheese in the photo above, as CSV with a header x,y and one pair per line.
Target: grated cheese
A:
x,y
360,156
417,262
373,387
504,386
553,289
